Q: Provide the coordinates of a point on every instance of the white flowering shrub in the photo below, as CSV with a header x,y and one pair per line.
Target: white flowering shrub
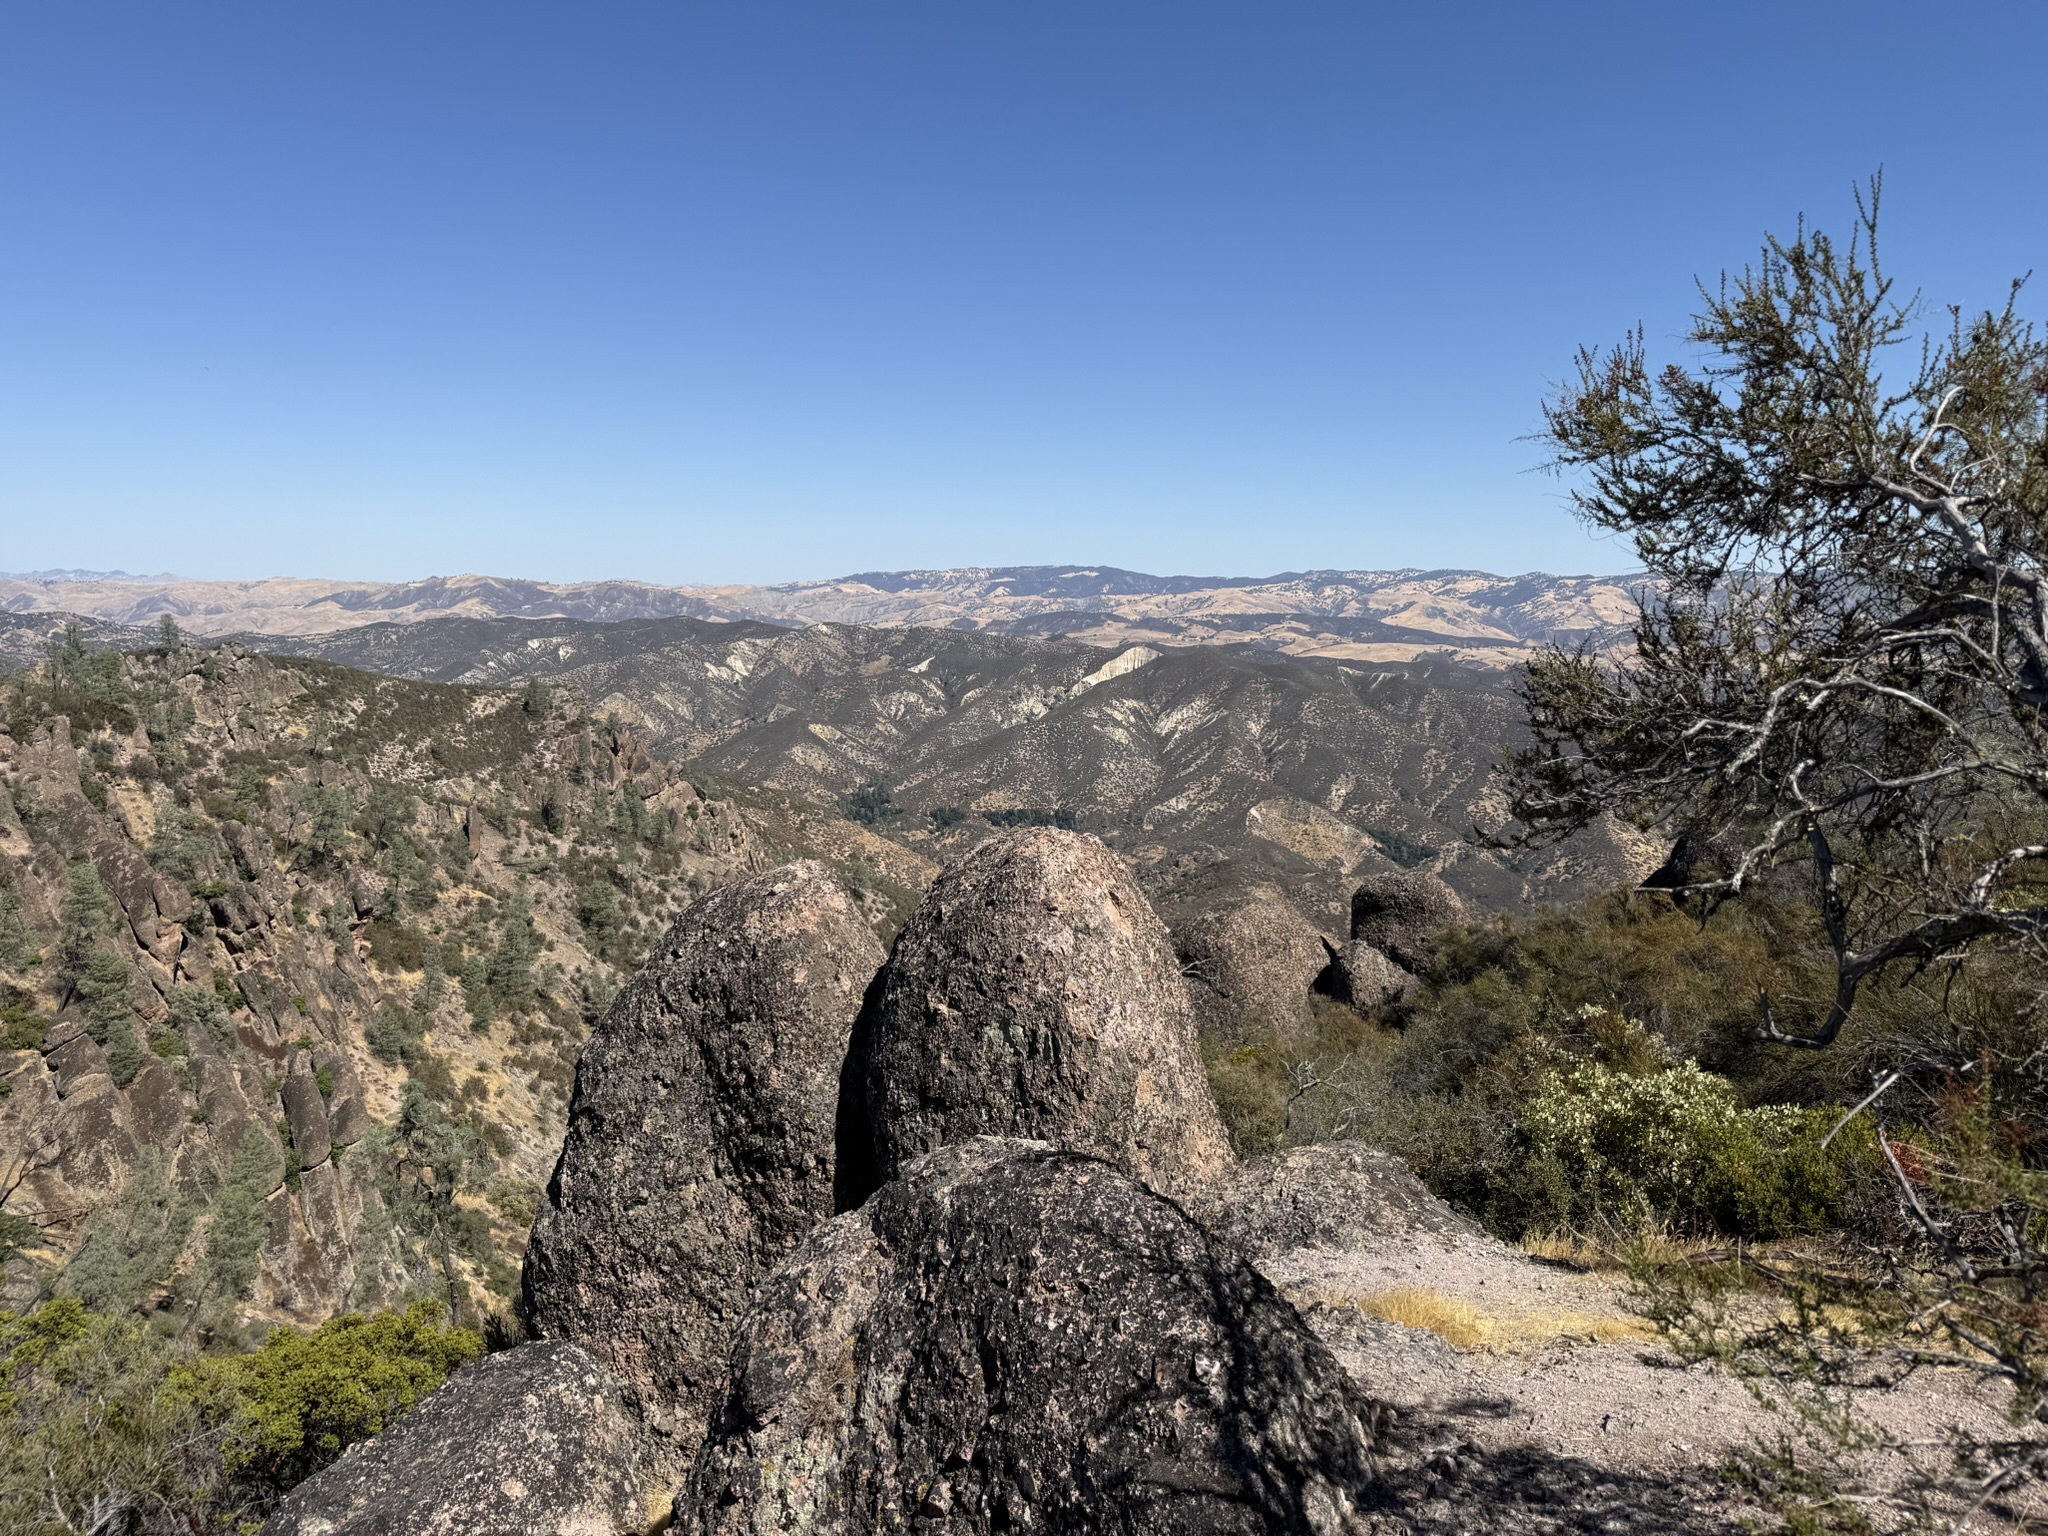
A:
x,y
1599,1147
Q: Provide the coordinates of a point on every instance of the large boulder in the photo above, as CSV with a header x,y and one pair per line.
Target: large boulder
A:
x,y
1251,967
1016,1338
1398,915
1334,1194
700,1145
537,1439
1363,977
1035,993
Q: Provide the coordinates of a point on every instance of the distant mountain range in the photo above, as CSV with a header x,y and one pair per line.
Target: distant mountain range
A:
x,y
1369,616
1208,767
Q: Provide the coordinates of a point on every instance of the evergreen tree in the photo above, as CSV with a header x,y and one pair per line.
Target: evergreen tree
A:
x,y
79,923
237,1220
328,810
168,636
476,992
511,969
106,987
132,1246
597,908
16,946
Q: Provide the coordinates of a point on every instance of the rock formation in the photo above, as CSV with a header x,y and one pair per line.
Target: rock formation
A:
x,y
537,1439
1011,1337
1398,914
1250,966
1035,993
1334,1194
1363,977
701,1135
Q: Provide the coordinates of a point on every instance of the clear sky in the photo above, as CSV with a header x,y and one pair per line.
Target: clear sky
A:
x,y
756,291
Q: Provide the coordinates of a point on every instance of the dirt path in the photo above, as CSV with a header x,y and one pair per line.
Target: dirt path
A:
x,y
1557,1410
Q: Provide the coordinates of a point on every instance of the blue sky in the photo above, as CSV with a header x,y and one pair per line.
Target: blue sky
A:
x,y
689,292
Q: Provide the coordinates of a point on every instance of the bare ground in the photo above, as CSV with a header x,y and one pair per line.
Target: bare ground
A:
x,y
1566,1414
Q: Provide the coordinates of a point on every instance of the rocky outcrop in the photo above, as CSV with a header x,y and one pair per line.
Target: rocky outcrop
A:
x,y
1013,1338
537,1439
306,1113
1399,914
1363,977
700,1147
1251,968
1335,1194
1035,993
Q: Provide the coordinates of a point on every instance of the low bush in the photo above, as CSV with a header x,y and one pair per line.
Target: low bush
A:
x,y
1600,1149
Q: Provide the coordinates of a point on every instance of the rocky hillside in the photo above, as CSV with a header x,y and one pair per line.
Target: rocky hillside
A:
x,y
1359,615
296,963
945,1239
1206,767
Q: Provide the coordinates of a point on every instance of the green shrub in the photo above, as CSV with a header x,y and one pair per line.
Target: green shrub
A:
x,y
393,1035
302,1399
1599,1147
1251,1096
22,1028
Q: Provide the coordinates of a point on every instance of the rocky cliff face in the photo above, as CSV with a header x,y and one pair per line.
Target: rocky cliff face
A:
x,y
318,948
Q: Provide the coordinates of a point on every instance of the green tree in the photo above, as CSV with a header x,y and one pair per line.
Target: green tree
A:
x,y
106,987
538,698
237,1221
16,944
1838,682
476,992
510,976
328,810
169,637
80,921
131,1248
598,910
388,813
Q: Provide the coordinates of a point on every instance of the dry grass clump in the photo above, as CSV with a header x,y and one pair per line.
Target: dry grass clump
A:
x,y
1466,1328
1458,1323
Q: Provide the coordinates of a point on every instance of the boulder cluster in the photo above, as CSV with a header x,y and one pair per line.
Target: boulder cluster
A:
x,y
939,1240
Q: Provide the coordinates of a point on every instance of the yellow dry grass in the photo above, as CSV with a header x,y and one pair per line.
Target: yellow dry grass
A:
x,y
1458,1323
1465,1327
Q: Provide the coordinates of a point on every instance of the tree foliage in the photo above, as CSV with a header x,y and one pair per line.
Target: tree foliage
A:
x,y
1843,656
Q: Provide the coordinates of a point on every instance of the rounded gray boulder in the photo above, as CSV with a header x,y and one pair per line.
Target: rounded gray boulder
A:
x,y
1011,1338
700,1145
1035,993
1251,968
535,1439
1398,915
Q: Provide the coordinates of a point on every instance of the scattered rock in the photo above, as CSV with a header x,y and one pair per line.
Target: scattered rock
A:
x,y
1011,1337
1250,968
537,1439
1035,993
1398,914
1335,1194
1363,977
700,1146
